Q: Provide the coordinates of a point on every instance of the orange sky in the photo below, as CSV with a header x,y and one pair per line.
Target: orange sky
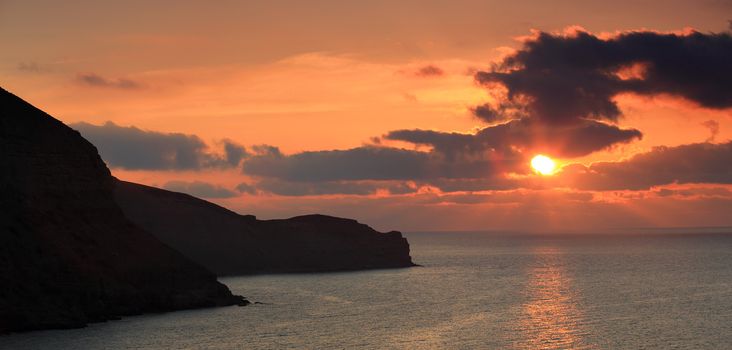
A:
x,y
330,75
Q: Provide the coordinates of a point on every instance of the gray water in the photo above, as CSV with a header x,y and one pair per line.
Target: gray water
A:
x,y
475,291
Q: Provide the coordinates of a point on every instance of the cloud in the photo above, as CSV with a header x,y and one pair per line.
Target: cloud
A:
x,y
377,163
556,94
95,80
703,192
362,188
233,153
364,171
686,164
200,189
713,127
135,149
566,78
451,144
246,188
525,135
493,159
429,71
363,163
374,169
503,112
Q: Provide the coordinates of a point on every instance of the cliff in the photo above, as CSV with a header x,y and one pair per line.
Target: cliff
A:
x,y
231,244
68,255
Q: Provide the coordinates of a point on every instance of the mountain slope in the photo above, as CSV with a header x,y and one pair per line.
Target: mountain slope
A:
x,y
68,255
229,244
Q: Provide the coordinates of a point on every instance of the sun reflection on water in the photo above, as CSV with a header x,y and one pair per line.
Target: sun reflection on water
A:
x,y
552,318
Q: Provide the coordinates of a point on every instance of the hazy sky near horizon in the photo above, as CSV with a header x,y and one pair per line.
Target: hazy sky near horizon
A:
x,y
408,115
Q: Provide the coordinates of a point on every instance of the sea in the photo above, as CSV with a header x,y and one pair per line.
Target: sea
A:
x,y
474,290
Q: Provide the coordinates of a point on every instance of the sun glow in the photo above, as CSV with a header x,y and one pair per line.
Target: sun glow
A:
x,y
543,165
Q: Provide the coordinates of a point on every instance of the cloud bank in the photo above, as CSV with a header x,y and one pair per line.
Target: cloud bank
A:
x,y
693,163
135,149
555,95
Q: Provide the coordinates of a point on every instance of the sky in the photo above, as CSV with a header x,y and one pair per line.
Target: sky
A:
x,y
405,115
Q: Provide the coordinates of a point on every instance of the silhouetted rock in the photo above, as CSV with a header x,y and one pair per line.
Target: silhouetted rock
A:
x,y
68,255
231,244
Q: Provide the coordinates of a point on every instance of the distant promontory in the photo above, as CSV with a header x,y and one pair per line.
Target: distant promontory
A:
x,y
231,244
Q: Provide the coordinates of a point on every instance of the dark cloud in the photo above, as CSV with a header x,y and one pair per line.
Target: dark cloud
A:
x,y
557,92
363,163
563,79
706,192
92,79
233,153
290,188
503,112
570,140
328,171
246,188
695,192
488,113
713,127
429,71
687,164
136,149
200,189
449,143
266,151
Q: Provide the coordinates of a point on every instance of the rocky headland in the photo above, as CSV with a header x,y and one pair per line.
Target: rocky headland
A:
x,y
68,254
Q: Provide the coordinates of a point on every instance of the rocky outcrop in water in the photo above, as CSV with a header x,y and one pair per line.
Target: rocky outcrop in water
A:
x,y
231,244
68,255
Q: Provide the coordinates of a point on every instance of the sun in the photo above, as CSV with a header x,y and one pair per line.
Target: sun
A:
x,y
543,164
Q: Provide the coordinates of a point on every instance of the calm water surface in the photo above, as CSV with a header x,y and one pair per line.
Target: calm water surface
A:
x,y
476,291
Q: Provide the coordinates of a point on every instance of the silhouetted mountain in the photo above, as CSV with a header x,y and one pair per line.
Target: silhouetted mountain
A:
x,y
231,244
68,255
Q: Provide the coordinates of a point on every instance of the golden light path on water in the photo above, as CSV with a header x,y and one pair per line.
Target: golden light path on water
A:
x,y
553,318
